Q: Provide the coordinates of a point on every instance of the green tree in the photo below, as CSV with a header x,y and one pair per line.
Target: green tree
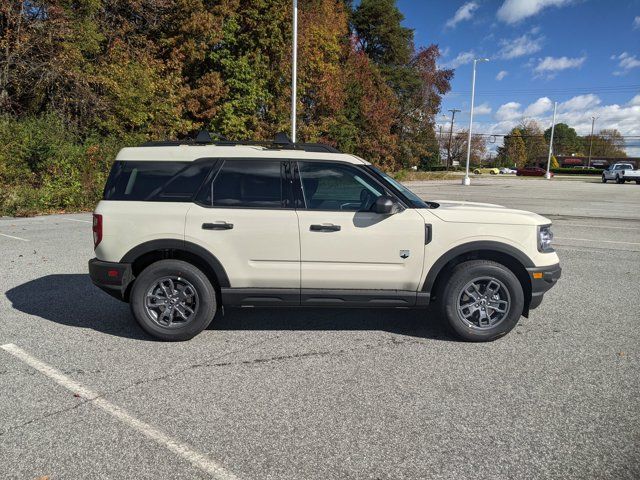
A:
x,y
565,140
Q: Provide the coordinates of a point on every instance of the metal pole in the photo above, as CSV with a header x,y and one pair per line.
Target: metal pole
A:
x,y
294,71
553,126
453,116
593,120
466,180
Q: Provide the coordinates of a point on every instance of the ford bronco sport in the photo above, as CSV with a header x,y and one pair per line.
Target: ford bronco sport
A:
x,y
188,228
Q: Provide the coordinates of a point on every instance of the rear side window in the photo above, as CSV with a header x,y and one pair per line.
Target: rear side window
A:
x,y
247,184
155,181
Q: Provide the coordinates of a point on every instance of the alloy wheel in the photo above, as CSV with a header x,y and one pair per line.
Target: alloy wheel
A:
x,y
484,302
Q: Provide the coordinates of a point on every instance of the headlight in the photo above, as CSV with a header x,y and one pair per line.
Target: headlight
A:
x,y
545,238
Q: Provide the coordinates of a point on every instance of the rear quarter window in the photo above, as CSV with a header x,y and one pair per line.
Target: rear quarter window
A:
x,y
155,181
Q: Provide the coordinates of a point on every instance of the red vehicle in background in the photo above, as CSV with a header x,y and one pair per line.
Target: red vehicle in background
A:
x,y
532,172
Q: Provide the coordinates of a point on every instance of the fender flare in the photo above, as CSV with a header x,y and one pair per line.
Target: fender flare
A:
x,y
176,244
484,245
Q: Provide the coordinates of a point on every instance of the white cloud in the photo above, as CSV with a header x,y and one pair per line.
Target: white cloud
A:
x,y
550,65
636,22
482,109
579,102
537,108
518,47
626,63
501,74
508,112
513,11
575,112
465,12
462,59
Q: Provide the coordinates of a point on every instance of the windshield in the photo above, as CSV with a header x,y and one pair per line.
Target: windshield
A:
x,y
415,200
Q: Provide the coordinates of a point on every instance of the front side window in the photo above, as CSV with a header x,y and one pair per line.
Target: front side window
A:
x,y
333,186
246,184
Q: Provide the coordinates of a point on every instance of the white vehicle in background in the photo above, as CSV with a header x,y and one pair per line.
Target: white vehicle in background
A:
x,y
507,170
630,176
617,172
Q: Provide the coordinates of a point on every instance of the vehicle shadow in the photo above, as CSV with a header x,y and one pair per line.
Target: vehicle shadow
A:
x,y
71,299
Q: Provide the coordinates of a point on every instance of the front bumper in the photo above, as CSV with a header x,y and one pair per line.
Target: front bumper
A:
x,y
112,277
542,279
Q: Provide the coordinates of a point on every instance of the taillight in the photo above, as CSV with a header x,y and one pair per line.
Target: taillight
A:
x,y
97,229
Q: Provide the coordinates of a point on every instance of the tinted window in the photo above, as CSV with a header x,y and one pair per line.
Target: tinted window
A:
x,y
155,181
331,186
246,183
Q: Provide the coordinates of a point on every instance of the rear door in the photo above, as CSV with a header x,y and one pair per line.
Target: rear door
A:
x,y
344,245
244,216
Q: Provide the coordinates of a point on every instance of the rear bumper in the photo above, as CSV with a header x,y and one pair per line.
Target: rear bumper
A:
x,y
112,277
542,279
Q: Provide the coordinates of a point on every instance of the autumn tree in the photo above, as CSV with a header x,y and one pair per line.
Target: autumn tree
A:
x,y
459,143
535,145
607,143
513,151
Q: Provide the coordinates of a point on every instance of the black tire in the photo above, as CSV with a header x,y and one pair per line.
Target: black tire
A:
x,y
205,303
452,293
619,180
604,179
637,182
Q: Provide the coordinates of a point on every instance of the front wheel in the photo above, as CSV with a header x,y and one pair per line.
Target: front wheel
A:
x,y
619,180
604,179
173,300
481,301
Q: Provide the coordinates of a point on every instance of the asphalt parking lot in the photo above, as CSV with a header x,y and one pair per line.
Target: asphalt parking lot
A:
x,y
319,394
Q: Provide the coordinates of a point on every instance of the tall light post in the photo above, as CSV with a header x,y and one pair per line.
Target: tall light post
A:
x,y
593,121
294,71
453,116
466,180
553,126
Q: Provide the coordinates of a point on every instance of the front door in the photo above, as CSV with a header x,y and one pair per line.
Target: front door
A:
x,y
244,218
343,244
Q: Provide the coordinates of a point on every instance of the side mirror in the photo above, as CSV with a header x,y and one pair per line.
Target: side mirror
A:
x,y
385,205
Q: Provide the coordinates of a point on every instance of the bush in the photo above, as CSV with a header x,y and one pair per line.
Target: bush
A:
x,y
45,167
576,171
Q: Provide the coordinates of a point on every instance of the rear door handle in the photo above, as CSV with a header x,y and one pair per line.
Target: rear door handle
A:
x,y
325,228
217,226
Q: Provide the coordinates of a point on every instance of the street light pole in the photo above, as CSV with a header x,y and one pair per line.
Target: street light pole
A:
x,y
294,71
466,180
593,121
453,116
553,126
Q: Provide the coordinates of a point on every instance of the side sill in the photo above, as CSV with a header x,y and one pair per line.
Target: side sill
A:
x,y
276,297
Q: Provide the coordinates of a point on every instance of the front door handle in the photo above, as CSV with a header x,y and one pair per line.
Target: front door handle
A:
x,y
217,226
325,228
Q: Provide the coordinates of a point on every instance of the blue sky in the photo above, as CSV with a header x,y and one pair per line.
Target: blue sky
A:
x,y
584,54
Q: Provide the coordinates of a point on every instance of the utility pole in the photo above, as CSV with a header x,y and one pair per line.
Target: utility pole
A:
x,y
294,71
553,126
593,121
453,116
466,180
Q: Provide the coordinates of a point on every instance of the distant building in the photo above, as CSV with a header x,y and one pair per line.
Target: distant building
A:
x,y
597,162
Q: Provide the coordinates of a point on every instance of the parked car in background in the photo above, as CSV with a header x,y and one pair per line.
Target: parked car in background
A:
x,y
630,176
616,172
491,170
507,171
531,172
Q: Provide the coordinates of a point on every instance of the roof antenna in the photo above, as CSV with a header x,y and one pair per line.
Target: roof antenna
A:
x,y
203,137
282,139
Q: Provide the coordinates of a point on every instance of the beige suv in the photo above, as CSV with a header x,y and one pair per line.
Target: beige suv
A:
x,y
186,228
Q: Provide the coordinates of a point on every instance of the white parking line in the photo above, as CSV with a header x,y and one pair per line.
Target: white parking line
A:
x,y
15,238
195,458
76,220
591,226
596,241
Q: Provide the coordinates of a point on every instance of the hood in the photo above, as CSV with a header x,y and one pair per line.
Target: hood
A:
x,y
472,212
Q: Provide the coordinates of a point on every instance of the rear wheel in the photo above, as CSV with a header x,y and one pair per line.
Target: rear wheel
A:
x,y
476,172
173,300
481,301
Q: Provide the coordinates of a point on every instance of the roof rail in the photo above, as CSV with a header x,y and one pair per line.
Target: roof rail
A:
x,y
280,142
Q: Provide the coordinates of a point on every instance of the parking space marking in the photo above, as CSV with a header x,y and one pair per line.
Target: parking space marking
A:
x,y
559,224
197,459
592,240
76,220
15,238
